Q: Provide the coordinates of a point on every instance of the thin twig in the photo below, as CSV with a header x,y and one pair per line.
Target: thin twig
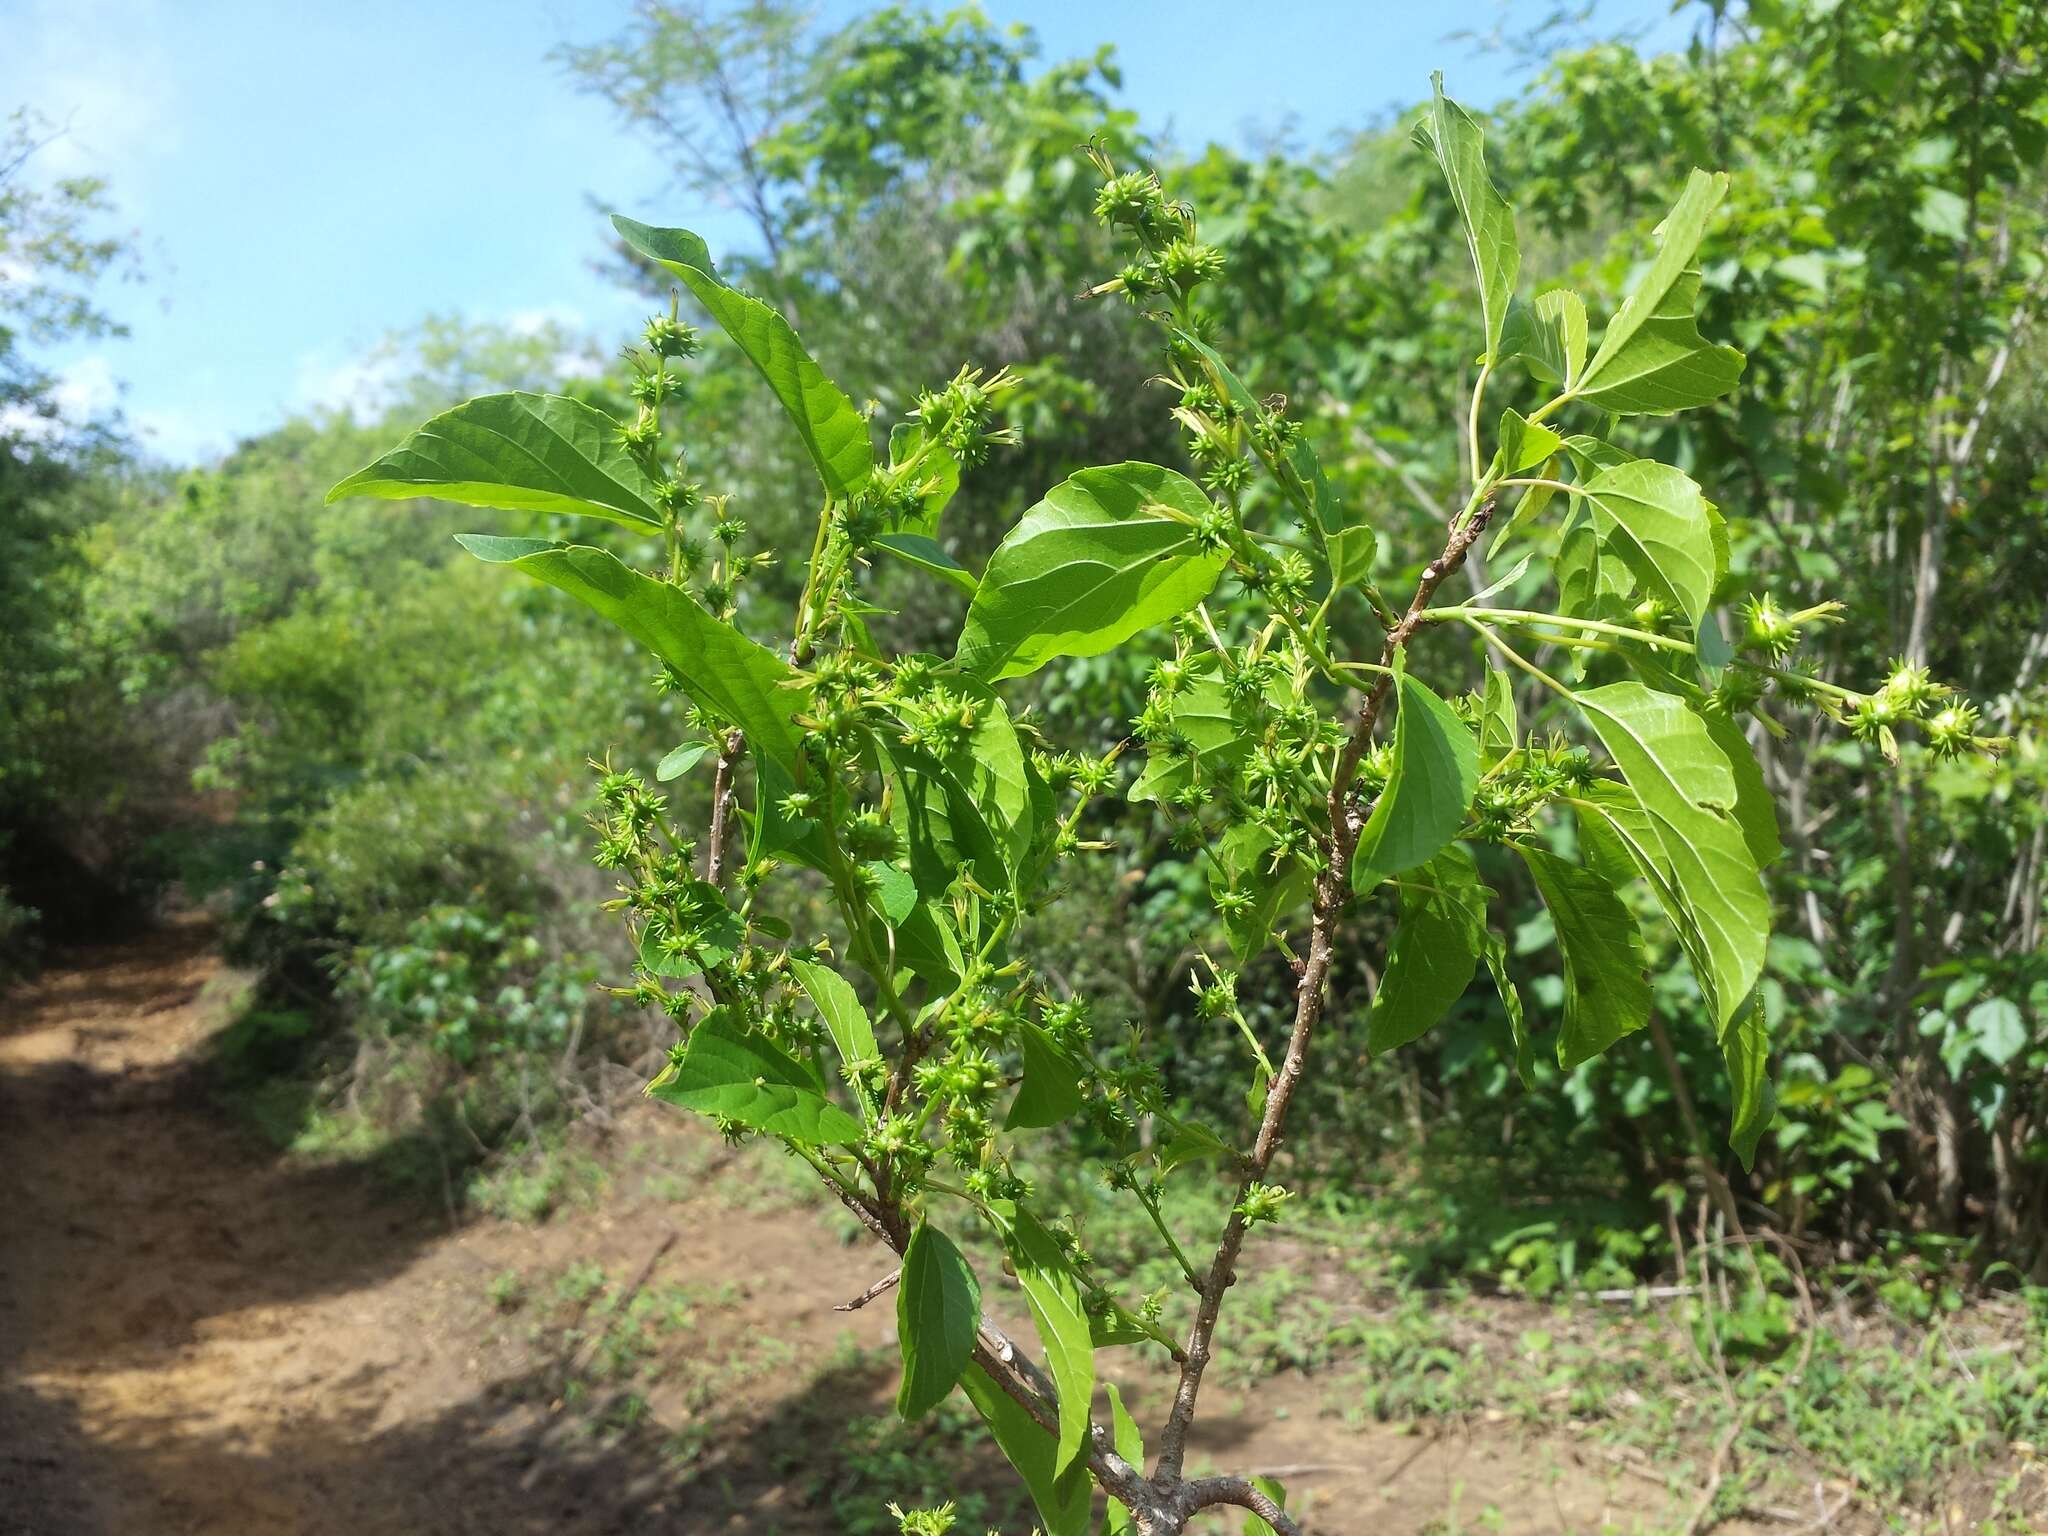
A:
x,y
887,1282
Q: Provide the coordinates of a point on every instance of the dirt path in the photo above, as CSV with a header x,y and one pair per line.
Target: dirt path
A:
x,y
197,1336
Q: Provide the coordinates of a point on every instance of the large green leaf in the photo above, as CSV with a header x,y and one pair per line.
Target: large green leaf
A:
x,y
1456,141
1088,567
853,1034
938,1315
1606,995
1432,772
732,1073
1652,358
1755,807
1053,1292
724,671
1436,949
1063,1497
1654,517
1679,829
835,433
1051,1090
532,453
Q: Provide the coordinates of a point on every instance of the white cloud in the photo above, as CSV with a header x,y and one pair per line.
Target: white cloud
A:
x,y
83,392
362,387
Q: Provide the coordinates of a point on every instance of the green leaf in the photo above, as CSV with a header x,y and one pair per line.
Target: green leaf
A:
x,y
1495,953
1654,517
1606,995
1130,1445
724,672
1942,213
1201,713
1455,139
681,760
1087,568
990,770
1500,726
834,432
1681,833
1652,358
1051,1090
1745,1047
895,892
853,1035
924,553
940,477
530,453
1244,868
1436,949
1063,1497
719,935
1432,773
938,1315
1755,807
1053,1293
1997,1029
1549,334
734,1074
1192,1142
926,944
1523,444
1351,555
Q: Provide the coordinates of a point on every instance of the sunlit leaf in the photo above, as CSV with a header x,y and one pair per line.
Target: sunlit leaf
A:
x,y
1053,1292
1051,1090
724,671
1679,828
938,1315
834,432
1432,772
1458,144
1549,334
1062,1491
1655,519
1652,358
853,1034
734,1074
925,553
1109,552
532,453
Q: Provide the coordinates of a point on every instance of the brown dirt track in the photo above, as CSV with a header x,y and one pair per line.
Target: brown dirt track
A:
x,y
199,1336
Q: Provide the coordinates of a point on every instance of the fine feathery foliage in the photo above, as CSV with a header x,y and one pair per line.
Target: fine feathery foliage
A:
x,y
1289,732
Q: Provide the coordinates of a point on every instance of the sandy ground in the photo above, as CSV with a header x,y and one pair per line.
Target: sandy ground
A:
x,y
198,1336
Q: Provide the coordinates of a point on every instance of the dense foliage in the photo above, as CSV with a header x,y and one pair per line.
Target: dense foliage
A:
x,y
919,198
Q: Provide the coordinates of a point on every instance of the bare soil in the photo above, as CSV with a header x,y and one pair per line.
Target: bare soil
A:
x,y
199,1335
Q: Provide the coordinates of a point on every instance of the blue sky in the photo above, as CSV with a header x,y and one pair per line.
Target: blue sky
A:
x,y
306,178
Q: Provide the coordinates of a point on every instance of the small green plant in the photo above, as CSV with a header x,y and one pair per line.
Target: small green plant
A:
x,y
903,1048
